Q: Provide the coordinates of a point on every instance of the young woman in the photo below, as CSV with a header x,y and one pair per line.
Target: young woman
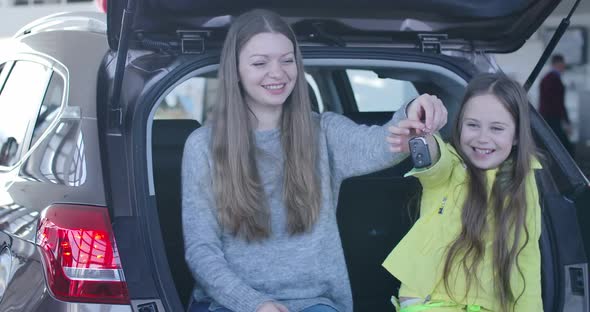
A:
x,y
260,183
475,245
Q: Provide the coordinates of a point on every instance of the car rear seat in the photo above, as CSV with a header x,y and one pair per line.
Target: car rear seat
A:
x,y
168,138
373,215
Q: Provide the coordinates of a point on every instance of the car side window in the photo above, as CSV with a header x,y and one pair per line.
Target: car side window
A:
x,y
19,102
375,94
50,106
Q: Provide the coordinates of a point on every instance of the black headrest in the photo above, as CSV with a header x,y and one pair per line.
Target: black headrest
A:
x,y
172,132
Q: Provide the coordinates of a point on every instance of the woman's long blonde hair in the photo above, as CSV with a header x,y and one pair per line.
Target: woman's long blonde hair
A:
x,y
508,196
241,203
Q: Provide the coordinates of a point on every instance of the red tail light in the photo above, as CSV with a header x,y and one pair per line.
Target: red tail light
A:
x,y
80,255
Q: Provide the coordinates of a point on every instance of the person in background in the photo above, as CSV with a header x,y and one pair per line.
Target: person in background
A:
x,y
552,102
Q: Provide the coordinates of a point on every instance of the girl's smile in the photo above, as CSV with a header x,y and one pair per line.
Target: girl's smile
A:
x,y
487,132
275,89
267,71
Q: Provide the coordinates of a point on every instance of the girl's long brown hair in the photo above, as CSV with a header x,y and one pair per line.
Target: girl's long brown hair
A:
x,y
241,203
507,200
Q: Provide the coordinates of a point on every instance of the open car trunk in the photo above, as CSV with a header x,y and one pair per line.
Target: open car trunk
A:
x,y
482,25
373,209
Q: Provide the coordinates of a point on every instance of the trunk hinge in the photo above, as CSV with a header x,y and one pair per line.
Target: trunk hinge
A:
x,y
192,41
431,42
320,34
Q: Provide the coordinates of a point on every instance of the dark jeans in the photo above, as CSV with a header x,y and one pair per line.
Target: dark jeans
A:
x,y
204,307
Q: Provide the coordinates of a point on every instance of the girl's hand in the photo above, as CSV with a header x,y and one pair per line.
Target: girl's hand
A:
x,y
272,307
399,135
430,110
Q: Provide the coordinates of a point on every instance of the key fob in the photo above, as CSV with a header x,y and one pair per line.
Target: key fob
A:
x,y
419,152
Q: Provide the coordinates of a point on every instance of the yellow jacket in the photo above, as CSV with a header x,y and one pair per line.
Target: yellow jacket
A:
x,y
418,260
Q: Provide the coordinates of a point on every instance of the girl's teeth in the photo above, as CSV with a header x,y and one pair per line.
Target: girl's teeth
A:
x,y
483,151
274,87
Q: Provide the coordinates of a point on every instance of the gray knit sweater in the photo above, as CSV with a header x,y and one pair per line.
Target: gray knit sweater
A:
x,y
297,271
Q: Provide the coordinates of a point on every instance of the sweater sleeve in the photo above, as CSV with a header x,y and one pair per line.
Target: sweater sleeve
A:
x,y
202,233
359,149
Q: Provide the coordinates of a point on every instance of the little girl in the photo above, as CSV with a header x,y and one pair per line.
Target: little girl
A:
x,y
475,245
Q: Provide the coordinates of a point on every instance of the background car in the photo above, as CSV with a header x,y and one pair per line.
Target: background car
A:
x,y
94,113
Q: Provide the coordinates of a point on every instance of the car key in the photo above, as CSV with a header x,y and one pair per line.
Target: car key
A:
x,y
419,151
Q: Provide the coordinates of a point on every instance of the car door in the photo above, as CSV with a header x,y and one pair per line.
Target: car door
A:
x,y
5,262
564,197
22,88
5,257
